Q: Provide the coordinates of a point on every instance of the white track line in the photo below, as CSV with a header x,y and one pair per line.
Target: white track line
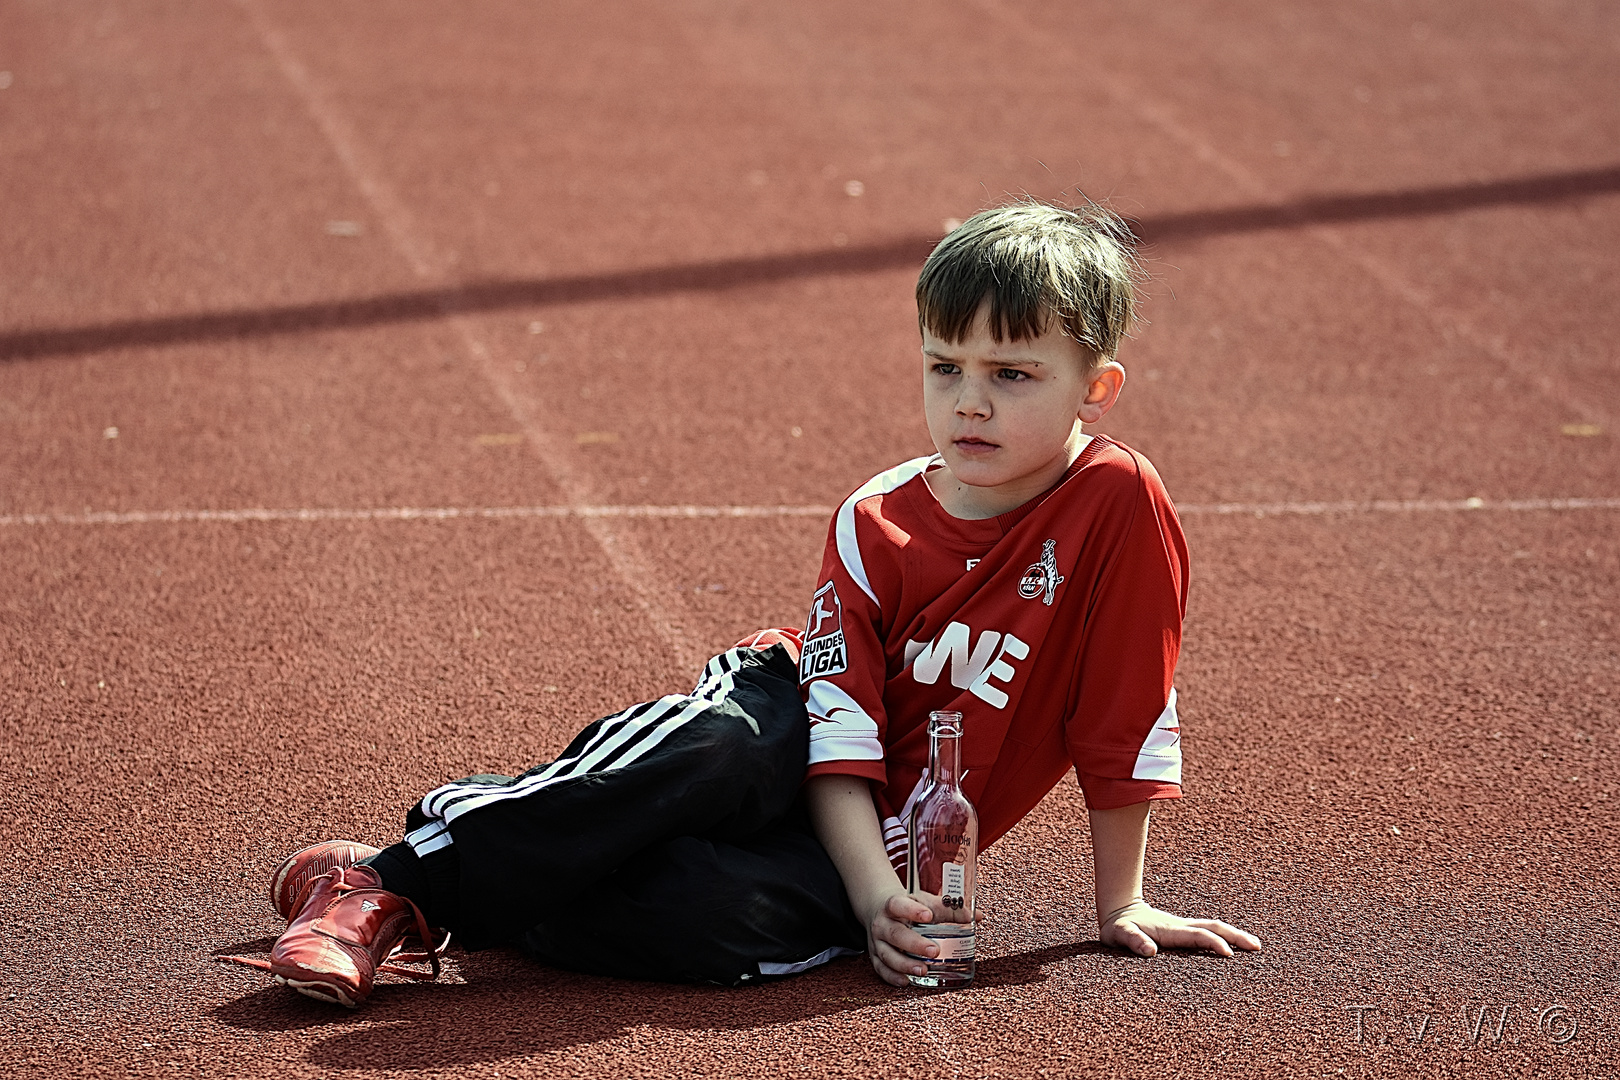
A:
x,y
412,244
1395,506
1448,322
692,513
410,513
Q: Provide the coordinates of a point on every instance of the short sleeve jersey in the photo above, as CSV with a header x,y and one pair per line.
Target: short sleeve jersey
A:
x,y
1054,629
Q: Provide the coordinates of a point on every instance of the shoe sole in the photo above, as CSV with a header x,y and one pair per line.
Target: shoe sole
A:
x,y
320,991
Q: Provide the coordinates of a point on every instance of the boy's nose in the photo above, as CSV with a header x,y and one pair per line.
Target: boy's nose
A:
x,y
971,400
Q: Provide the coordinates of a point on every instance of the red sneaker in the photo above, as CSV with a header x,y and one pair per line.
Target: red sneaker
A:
x,y
293,877
777,635
347,926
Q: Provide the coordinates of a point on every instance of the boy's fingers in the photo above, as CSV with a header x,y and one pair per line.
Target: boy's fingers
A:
x,y
1131,937
1208,939
896,963
1196,937
1211,934
1241,938
902,937
909,909
887,973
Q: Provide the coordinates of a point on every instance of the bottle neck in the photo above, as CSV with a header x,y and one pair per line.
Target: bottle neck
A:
x,y
945,760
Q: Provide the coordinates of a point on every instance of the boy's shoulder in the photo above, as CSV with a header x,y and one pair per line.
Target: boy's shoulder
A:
x,y
1115,491
892,527
889,508
1119,471
888,481
1106,469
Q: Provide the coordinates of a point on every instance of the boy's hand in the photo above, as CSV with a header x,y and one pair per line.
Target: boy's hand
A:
x,y
889,937
846,823
1144,929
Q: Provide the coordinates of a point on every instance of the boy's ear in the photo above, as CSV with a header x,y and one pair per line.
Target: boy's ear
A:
x,y
1106,383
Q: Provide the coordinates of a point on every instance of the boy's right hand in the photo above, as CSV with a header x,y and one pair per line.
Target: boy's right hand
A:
x,y
889,937
846,823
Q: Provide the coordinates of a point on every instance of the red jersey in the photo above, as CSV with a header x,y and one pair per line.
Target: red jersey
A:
x,y
1053,628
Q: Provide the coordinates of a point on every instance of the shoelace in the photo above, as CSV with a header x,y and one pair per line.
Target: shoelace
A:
x,y
426,936
429,953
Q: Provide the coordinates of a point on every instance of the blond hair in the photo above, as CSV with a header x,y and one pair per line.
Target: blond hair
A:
x,y
1034,262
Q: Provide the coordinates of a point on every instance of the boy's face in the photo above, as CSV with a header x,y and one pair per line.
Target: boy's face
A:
x,y
1006,416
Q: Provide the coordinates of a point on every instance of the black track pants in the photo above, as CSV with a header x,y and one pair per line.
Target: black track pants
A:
x,y
667,842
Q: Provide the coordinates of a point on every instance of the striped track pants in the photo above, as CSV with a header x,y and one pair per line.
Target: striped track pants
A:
x,y
666,842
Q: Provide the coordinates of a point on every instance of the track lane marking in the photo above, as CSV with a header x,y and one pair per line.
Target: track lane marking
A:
x,y
620,548
692,512
1448,322
1397,506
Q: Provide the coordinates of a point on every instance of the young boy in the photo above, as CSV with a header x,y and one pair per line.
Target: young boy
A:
x,y
1028,575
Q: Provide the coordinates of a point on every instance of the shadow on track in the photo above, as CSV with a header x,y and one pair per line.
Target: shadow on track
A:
x,y
519,293
1416,202
510,1007
264,944
470,298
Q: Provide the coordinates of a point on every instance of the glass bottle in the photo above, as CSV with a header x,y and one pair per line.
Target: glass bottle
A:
x,y
942,857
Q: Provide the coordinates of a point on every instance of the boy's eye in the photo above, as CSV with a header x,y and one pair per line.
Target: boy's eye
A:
x,y
943,368
1012,374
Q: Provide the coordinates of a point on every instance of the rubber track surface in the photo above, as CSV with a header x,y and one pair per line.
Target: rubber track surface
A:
x,y
358,259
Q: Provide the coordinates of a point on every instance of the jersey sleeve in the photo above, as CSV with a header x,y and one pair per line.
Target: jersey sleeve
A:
x,y
842,667
1124,737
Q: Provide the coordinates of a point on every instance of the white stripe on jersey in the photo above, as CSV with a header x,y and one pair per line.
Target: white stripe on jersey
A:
x,y
896,831
881,484
917,792
840,730
896,845
898,848
1160,756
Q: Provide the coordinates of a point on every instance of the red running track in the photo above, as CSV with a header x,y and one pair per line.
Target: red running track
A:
x,y
354,259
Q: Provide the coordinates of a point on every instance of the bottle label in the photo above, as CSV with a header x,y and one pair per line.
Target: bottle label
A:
x,y
953,889
955,941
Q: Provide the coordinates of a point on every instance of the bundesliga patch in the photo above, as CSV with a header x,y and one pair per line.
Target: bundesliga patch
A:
x,y
1042,578
824,652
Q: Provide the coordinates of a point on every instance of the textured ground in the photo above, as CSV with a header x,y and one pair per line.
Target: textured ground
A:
x,y
335,261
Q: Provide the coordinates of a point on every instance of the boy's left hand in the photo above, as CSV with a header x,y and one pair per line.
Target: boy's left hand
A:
x,y
1144,930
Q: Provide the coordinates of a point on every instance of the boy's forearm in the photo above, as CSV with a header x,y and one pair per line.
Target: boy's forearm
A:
x,y
846,823
1118,848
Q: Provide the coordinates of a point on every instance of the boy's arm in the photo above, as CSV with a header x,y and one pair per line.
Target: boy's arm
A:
x,y
846,823
1118,847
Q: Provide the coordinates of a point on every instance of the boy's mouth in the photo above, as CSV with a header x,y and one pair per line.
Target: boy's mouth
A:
x,y
972,444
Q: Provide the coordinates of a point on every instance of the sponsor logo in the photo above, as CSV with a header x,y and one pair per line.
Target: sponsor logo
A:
x,y
1042,578
973,664
824,652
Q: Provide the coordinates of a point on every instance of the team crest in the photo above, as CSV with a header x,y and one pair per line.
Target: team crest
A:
x,y
824,652
1042,578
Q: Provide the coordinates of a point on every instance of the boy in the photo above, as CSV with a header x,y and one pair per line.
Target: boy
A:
x,y
1028,575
